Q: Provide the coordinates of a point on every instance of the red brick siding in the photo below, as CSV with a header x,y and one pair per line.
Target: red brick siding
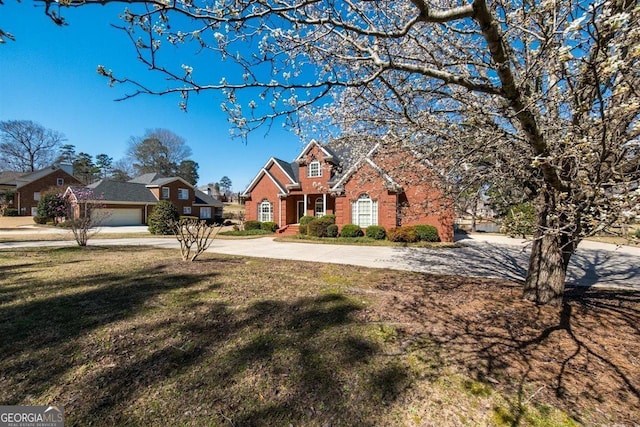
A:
x,y
24,195
315,185
264,189
173,197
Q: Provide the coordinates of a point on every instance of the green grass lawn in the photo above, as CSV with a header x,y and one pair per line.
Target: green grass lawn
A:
x,y
124,336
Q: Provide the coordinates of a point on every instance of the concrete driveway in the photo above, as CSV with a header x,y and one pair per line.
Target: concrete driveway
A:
x,y
594,264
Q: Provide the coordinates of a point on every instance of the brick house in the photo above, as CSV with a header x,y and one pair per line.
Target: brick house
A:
x,y
28,186
131,202
389,186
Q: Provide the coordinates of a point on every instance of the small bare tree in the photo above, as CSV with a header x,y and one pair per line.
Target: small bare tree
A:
x,y
85,213
195,236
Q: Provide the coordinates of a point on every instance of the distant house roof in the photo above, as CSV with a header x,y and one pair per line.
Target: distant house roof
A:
x,y
118,191
156,180
146,178
205,199
9,177
26,178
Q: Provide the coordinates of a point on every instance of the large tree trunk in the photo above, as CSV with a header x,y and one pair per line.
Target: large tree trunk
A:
x,y
547,272
550,256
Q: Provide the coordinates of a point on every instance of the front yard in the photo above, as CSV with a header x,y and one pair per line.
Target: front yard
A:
x,y
137,337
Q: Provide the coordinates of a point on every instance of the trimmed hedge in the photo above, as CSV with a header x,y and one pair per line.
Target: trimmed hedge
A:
x,y
11,212
427,233
269,226
306,219
376,232
351,230
332,231
253,225
318,227
407,234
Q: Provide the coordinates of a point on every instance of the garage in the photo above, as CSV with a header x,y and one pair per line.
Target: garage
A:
x,y
117,217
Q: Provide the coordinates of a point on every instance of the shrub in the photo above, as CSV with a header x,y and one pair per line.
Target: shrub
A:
x,y
269,226
376,232
40,219
330,217
318,227
188,217
52,205
11,212
427,233
306,219
637,233
252,225
332,230
351,230
406,234
302,229
160,219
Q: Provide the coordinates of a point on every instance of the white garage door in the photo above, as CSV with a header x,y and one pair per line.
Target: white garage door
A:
x,y
115,217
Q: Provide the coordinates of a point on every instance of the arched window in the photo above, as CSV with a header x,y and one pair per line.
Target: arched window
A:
x,y
265,211
314,169
319,207
364,211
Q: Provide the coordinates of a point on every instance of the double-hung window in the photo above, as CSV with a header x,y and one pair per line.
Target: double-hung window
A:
x,y
265,211
314,169
165,192
364,211
183,194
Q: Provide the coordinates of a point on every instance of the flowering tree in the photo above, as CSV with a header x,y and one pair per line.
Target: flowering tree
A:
x,y
540,96
52,205
85,213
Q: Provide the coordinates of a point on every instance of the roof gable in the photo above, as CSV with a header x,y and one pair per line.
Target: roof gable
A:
x,y
30,177
328,154
287,169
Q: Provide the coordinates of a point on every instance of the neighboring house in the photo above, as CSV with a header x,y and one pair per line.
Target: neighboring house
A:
x,y
27,186
131,202
389,186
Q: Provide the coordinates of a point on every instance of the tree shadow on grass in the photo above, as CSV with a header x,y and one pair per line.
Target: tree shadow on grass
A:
x,y
40,334
581,357
153,346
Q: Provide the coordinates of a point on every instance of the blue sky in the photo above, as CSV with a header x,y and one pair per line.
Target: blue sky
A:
x,y
48,75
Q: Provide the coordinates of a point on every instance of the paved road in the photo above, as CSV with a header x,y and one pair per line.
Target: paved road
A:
x,y
594,264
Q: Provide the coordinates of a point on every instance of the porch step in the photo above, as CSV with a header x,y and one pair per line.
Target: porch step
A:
x,y
289,230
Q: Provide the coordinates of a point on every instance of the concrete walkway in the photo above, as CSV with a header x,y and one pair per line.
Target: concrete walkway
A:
x,y
480,255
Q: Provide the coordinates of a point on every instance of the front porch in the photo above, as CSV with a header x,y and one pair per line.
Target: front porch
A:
x,y
299,205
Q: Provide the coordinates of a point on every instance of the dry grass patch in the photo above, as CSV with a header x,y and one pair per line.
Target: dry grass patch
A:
x,y
137,337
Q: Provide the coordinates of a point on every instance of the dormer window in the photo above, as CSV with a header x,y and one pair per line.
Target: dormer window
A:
x,y
314,170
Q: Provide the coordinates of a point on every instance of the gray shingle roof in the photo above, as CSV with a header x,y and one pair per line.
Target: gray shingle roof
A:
x,y
205,199
290,168
117,191
147,178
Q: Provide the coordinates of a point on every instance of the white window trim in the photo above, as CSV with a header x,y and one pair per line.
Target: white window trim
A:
x,y
182,191
364,206
265,216
36,196
312,172
186,210
168,190
319,203
60,181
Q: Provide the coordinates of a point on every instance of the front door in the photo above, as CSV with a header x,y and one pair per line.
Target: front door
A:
x,y
300,210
